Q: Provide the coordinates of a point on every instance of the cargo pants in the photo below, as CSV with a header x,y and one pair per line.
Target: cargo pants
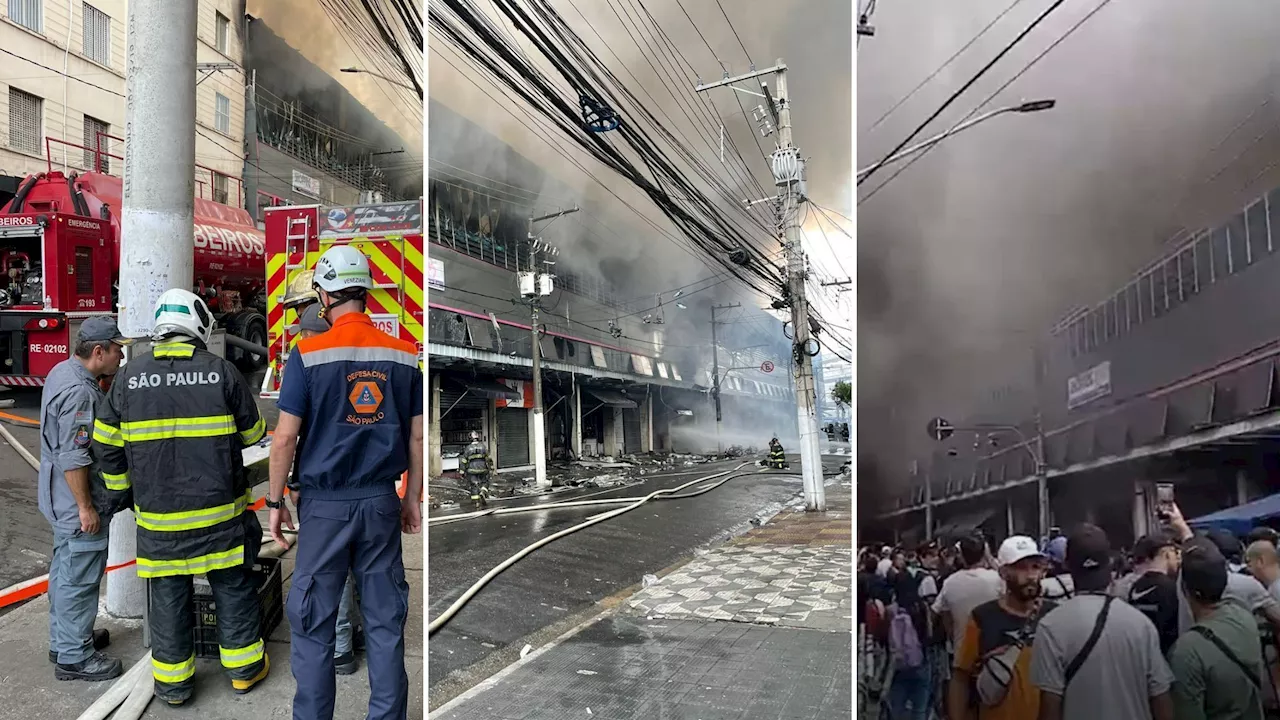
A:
x,y
172,621
337,537
75,578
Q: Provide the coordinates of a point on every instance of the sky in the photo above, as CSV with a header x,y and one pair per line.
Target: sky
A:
x,y
1166,119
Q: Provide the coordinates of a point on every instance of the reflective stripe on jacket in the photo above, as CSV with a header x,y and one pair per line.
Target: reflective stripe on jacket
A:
x,y
173,429
476,456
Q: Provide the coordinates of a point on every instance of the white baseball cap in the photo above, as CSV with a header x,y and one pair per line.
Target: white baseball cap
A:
x,y
1017,547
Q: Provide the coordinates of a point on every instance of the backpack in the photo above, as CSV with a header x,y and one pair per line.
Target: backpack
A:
x,y
904,641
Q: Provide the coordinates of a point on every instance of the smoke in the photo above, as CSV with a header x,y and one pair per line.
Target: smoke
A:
x,y
992,238
306,27
608,240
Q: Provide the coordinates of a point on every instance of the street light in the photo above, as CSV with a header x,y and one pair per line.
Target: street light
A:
x,y
380,76
1026,107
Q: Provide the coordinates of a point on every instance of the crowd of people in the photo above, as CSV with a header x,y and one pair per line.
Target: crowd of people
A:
x,y
1183,625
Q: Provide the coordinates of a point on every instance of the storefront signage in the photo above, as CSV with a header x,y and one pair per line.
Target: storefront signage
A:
x,y
1089,385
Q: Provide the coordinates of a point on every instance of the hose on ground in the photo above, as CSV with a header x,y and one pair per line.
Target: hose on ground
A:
x,y
119,691
457,605
445,520
139,697
13,442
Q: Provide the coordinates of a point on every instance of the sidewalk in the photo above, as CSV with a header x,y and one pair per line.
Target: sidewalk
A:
x,y
757,628
29,690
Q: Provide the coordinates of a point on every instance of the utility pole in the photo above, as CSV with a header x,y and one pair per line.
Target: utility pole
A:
x,y
533,289
158,209
715,367
788,176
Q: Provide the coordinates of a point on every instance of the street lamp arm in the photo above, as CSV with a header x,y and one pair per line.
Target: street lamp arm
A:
x,y
1026,107
380,76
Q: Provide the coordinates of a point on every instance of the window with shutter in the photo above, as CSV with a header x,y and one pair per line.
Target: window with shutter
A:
x,y
97,35
97,145
27,13
24,120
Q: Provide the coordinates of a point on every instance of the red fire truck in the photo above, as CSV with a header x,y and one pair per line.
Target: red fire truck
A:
x,y
389,234
60,260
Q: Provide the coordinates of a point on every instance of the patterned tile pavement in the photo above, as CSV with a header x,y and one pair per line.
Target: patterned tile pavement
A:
x,y
799,576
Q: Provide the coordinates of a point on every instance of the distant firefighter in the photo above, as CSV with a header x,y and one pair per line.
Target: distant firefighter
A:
x,y
777,457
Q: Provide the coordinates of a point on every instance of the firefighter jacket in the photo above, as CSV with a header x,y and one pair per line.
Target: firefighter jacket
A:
x,y
172,429
775,451
476,458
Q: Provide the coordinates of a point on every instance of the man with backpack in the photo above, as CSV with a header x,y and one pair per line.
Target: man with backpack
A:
x,y
1057,585
990,676
1095,658
1218,663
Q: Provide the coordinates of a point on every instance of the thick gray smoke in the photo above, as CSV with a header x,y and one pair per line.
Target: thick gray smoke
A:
x,y
1004,229
305,26
813,39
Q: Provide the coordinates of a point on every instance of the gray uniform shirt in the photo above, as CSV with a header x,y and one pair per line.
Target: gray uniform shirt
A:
x,y
1119,677
66,427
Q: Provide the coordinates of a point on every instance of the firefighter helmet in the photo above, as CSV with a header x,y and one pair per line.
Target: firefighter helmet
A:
x,y
183,312
301,291
343,268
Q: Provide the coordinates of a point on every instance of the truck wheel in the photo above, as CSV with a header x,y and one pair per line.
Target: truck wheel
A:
x,y
252,328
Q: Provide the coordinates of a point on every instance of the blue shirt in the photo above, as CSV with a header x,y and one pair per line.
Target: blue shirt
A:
x,y
357,391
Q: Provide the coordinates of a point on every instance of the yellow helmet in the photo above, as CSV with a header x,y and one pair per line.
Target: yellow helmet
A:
x,y
301,291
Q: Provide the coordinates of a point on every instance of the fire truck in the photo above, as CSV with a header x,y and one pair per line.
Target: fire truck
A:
x,y
389,234
60,260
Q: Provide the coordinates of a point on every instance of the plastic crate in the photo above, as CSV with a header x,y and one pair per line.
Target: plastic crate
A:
x,y
270,597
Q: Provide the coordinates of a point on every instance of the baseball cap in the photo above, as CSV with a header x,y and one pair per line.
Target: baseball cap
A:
x,y
1226,541
1204,570
1089,556
1015,548
311,318
101,328
1263,532
1148,546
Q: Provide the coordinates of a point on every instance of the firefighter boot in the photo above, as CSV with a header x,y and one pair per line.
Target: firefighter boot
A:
x,y
243,686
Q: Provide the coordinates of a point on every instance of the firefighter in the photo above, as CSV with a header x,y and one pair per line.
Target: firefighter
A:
x,y
68,497
478,467
356,394
777,459
173,428
303,298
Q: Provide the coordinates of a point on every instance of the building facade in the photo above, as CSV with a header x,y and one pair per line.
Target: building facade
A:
x,y
618,377
1172,378
62,91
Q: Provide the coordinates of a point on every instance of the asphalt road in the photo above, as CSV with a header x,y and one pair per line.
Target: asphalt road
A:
x,y
25,537
577,571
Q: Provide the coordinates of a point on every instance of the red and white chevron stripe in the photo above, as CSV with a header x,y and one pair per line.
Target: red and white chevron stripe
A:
x,y
21,380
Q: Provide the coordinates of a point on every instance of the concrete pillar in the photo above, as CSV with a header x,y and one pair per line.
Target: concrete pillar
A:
x,y
618,434
157,251
646,424
435,444
1243,487
1009,524
612,417
576,409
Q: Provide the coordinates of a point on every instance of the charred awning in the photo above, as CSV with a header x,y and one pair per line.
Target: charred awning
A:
x,y
612,398
489,389
963,525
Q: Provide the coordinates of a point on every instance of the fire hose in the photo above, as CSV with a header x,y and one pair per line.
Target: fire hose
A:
x,y
635,502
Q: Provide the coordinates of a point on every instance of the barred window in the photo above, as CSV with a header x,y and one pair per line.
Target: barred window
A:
x,y
97,35
95,139
222,27
28,14
24,120
222,113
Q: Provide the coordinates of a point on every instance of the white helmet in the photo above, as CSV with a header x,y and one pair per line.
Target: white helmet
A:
x,y
182,311
343,267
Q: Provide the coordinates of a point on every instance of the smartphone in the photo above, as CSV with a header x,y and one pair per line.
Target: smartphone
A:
x,y
1164,498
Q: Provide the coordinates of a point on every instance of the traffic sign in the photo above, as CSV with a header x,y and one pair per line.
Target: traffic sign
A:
x,y
939,429
766,366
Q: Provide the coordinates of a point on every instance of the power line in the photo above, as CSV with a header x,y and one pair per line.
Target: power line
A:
x,y
59,72
956,95
1070,31
946,63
